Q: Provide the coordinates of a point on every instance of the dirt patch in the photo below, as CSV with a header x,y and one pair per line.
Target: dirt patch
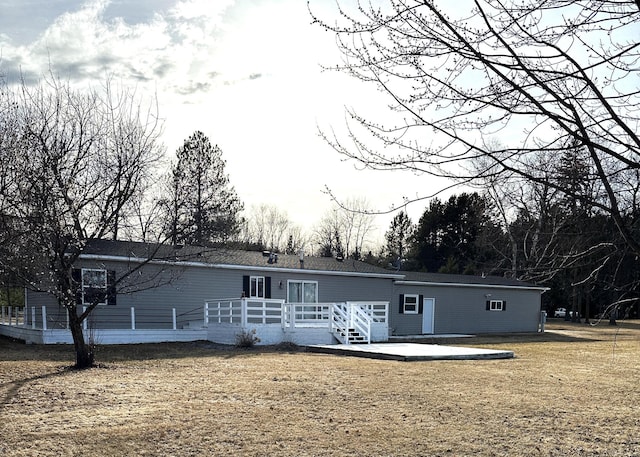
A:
x,y
571,391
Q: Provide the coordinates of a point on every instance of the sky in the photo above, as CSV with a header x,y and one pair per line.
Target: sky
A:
x,y
247,73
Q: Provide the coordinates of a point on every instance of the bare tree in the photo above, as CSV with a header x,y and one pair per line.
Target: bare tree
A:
x,y
270,228
267,225
344,230
146,219
327,235
531,217
296,241
357,224
75,162
544,75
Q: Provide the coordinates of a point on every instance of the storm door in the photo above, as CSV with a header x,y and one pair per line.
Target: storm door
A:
x,y
428,313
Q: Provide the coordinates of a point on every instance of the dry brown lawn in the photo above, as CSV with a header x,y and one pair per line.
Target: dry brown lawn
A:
x,y
572,391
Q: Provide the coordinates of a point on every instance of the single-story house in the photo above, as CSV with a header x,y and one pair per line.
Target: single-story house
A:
x,y
188,293
435,303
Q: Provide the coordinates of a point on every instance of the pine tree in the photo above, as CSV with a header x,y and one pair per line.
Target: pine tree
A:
x,y
202,206
397,239
447,233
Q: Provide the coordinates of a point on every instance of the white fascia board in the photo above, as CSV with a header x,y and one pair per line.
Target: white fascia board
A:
x,y
461,284
114,258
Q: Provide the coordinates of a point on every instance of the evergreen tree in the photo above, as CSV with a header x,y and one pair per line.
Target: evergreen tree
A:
x,y
397,239
202,206
446,238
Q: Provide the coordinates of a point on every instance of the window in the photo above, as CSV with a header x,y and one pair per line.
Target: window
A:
x,y
410,304
94,287
302,291
256,287
496,305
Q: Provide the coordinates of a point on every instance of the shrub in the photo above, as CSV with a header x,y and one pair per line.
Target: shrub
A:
x,y
247,339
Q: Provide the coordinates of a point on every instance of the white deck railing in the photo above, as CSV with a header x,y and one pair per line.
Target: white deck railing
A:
x,y
378,310
340,322
307,315
365,318
42,325
12,315
36,318
354,321
361,321
244,311
232,311
341,319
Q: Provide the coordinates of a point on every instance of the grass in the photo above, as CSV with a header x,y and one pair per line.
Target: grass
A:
x,y
572,391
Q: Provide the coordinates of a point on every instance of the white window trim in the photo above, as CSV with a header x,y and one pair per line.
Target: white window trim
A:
x,y
496,305
303,282
264,285
417,304
106,286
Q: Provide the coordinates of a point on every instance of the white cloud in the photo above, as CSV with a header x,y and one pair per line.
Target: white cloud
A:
x,y
84,45
245,73
200,9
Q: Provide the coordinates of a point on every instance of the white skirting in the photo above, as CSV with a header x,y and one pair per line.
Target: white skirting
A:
x,y
103,336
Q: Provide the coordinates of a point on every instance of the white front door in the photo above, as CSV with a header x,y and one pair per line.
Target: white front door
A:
x,y
428,308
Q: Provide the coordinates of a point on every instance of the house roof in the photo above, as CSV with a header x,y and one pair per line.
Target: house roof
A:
x,y
217,256
235,258
423,278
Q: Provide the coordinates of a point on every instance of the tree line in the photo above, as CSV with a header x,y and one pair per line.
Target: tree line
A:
x,y
586,265
535,103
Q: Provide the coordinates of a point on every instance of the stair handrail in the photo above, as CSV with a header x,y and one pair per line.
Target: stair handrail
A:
x,y
361,321
340,322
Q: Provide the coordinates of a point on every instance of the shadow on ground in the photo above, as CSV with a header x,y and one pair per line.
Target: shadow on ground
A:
x,y
12,350
502,338
558,331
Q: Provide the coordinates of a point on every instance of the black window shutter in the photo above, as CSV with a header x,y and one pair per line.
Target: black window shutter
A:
x,y
76,276
111,287
245,286
420,304
267,287
488,305
504,305
401,304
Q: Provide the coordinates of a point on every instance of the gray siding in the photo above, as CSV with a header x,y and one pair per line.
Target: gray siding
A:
x,y
156,289
56,316
337,288
460,309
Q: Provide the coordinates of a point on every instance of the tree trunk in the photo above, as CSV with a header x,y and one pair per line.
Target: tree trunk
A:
x,y
613,316
84,351
567,315
587,310
577,304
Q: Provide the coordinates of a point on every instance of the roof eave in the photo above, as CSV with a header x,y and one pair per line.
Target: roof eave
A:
x,y
114,258
459,284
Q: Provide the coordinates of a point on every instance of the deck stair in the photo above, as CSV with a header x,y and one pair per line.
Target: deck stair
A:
x,y
351,335
350,324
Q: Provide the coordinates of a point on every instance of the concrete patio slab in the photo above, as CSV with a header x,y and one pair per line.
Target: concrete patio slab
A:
x,y
411,351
